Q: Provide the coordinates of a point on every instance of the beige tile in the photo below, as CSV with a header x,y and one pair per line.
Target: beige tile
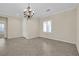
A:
x,y
36,47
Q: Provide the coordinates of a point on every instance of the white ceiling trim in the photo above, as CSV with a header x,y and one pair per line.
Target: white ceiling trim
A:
x,y
65,10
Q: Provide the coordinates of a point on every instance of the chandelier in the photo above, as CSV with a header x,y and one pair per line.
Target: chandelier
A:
x,y
28,12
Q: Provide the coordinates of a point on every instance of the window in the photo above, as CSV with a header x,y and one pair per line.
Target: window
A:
x,y
1,27
47,26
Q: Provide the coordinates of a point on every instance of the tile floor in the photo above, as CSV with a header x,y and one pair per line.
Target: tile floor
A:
x,y
36,47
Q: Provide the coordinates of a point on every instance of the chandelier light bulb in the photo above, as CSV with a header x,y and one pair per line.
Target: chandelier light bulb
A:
x,y
30,9
25,9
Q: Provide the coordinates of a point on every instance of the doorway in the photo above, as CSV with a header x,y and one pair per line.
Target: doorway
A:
x,y
3,27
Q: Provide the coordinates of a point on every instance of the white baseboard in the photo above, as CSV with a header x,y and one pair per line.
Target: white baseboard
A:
x,y
58,40
15,37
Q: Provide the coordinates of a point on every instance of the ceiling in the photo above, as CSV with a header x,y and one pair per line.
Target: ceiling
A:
x,y
40,9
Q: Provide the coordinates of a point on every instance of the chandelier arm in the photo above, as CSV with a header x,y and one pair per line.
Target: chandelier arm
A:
x,y
29,4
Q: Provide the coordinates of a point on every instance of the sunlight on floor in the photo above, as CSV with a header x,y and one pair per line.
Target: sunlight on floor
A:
x,y
2,42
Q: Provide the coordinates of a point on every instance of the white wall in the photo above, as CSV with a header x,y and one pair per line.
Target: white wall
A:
x,y
63,26
18,27
77,41
14,27
31,28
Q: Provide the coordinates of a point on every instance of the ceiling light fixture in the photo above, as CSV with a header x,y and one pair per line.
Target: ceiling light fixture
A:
x,y
47,10
28,12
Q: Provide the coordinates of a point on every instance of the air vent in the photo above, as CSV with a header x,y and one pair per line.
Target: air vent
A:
x,y
47,10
